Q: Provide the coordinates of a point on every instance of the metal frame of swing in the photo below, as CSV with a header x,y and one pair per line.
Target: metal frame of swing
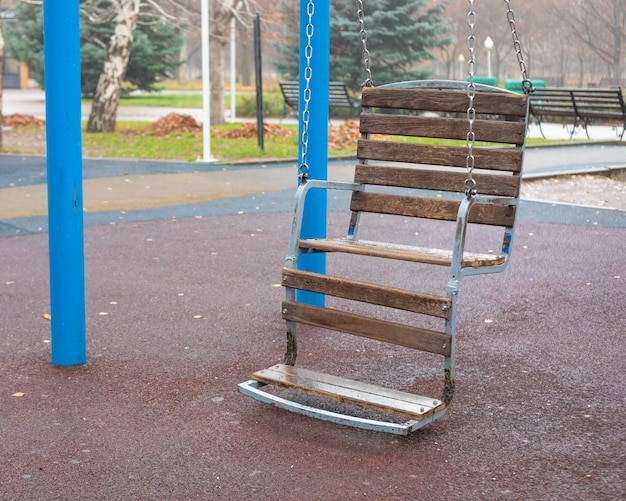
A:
x,y
419,410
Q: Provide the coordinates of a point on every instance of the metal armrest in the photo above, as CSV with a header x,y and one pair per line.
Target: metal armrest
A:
x,y
301,194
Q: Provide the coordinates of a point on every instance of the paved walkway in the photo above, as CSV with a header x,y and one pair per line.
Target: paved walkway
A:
x,y
183,304
127,191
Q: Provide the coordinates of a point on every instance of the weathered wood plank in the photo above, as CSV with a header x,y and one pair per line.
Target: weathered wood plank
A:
x,y
436,180
391,297
348,391
371,328
452,101
501,159
440,257
494,131
430,208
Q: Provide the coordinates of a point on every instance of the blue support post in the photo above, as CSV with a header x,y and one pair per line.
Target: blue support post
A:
x,y
314,220
64,175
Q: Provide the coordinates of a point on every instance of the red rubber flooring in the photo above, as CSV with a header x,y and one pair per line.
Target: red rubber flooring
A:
x,y
180,311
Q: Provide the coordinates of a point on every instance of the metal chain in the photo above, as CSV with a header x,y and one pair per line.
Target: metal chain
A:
x,y
360,11
470,184
303,169
527,85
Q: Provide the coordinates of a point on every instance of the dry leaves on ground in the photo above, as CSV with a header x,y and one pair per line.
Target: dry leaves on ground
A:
x,y
344,135
173,122
20,120
249,130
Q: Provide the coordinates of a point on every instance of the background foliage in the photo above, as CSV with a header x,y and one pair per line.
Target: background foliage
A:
x,y
154,54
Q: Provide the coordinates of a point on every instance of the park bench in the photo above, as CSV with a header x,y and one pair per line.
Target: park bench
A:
x,y
338,96
579,108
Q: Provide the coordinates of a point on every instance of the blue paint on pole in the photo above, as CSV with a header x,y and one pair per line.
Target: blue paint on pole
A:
x,y
314,220
64,175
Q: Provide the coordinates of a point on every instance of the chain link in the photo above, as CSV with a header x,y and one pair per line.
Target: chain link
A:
x,y
527,85
303,169
360,11
470,184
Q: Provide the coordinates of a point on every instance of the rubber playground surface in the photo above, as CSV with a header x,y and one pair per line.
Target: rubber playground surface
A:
x,y
183,304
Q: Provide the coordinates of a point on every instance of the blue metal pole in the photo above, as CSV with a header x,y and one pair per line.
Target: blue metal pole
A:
x,y
314,220
64,175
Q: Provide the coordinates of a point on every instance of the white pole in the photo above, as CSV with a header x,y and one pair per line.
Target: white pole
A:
x,y
233,70
206,81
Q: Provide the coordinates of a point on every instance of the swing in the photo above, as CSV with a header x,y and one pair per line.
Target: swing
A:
x,y
409,178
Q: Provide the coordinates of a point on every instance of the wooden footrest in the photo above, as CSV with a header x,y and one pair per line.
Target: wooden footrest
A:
x,y
396,251
352,392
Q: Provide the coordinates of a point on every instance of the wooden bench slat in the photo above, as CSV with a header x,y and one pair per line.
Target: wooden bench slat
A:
x,y
371,328
452,101
442,257
431,208
504,159
438,180
338,96
579,106
441,127
345,390
391,297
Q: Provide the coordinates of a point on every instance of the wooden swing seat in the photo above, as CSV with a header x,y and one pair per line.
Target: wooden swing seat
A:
x,y
409,178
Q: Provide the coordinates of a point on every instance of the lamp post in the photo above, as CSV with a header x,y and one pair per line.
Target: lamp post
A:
x,y
461,60
488,46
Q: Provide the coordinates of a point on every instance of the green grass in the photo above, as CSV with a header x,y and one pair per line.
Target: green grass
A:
x,y
129,142
187,100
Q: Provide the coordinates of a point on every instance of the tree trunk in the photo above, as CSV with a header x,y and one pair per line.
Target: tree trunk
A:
x,y
216,55
104,109
181,71
220,14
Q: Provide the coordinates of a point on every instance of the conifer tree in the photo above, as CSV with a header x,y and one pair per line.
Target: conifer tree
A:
x,y
400,35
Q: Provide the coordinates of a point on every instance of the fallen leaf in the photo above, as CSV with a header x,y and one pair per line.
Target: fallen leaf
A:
x,y
46,316
18,394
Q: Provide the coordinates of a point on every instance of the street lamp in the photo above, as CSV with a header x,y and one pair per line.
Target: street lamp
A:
x,y
461,60
488,46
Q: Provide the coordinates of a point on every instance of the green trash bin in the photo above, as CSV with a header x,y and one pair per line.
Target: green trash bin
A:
x,y
493,81
516,85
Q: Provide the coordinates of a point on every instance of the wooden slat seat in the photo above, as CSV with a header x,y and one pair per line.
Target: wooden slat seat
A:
x,y
353,392
441,257
403,174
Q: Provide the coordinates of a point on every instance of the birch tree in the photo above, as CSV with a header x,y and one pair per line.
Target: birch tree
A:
x,y
103,115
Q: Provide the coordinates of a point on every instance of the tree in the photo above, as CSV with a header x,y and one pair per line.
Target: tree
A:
x,y
103,115
601,25
221,14
400,35
154,55
287,45
24,39
125,15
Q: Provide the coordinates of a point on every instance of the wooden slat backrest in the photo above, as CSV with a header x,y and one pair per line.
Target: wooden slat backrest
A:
x,y
428,179
444,100
387,158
